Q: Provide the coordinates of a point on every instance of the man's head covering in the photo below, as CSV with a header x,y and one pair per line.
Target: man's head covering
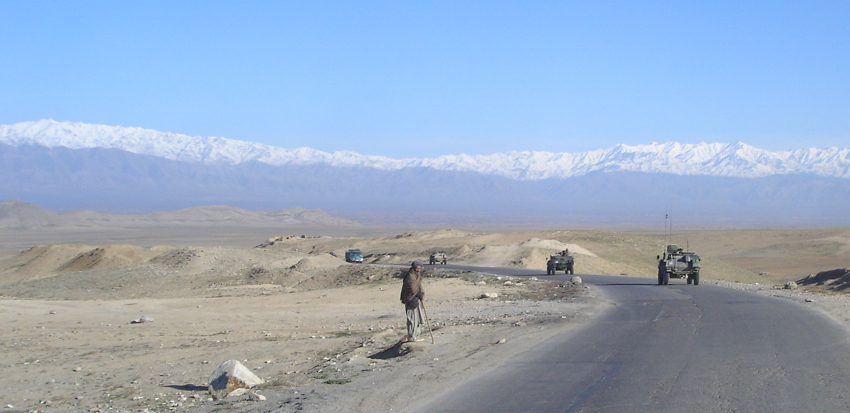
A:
x,y
415,263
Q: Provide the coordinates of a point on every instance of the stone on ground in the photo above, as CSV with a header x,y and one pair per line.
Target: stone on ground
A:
x,y
230,376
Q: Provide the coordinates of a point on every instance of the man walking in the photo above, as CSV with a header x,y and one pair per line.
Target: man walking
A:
x,y
411,294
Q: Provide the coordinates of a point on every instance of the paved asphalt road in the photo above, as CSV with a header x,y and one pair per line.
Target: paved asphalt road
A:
x,y
675,348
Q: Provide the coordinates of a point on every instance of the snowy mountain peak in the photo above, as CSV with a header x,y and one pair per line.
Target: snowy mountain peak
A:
x,y
714,159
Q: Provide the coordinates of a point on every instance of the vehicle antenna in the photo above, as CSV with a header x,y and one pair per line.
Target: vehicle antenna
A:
x,y
671,225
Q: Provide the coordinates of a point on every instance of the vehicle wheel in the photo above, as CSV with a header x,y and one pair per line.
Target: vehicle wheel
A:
x,y
696,278
661,277
666,278
690,279
444,262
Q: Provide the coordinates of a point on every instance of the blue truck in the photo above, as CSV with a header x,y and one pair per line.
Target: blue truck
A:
x,y
354,255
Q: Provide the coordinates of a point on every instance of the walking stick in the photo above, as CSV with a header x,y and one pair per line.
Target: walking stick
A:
x,y
422,302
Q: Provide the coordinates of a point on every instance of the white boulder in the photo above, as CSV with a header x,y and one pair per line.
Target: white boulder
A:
x,y
231,376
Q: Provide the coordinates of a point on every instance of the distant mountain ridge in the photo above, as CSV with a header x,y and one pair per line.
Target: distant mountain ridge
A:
x,y
706,159
121,182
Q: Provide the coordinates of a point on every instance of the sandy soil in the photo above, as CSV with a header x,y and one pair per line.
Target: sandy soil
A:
x,y
317,350
323,333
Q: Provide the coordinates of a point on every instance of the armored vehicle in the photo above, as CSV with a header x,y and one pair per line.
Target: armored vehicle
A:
x,y
354,255
437,258
561,262
676,263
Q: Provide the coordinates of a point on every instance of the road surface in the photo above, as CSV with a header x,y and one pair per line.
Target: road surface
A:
x,y
675,348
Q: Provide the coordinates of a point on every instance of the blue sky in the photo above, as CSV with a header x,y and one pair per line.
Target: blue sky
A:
x,y
405,79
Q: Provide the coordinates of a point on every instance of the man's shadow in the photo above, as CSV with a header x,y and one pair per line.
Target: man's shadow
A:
x,y
396,350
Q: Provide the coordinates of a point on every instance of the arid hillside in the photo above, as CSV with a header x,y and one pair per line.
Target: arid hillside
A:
x,y
302,262
777,255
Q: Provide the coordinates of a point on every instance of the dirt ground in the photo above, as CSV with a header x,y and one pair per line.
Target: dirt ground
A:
x,y
324,333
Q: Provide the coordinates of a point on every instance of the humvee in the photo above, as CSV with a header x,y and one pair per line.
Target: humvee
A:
x,y
437,258
561,262
676,263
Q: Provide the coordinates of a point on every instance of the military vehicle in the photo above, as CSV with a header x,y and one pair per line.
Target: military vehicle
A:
x,y
437,258
676,263
354,255
563,261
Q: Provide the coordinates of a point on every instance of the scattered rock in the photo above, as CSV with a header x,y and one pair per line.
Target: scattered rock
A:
x,y
575,280
231,376
790,285
142,319
502,341
52,312
254,397
489,295
238,392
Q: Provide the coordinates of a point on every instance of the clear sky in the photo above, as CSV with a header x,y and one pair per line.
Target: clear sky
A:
x,y
422,79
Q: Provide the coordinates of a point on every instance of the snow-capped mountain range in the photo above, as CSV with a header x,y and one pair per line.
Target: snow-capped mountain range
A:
x,y
710,159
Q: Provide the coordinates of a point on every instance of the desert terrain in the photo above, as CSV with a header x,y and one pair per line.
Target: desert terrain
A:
x,y
324,334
